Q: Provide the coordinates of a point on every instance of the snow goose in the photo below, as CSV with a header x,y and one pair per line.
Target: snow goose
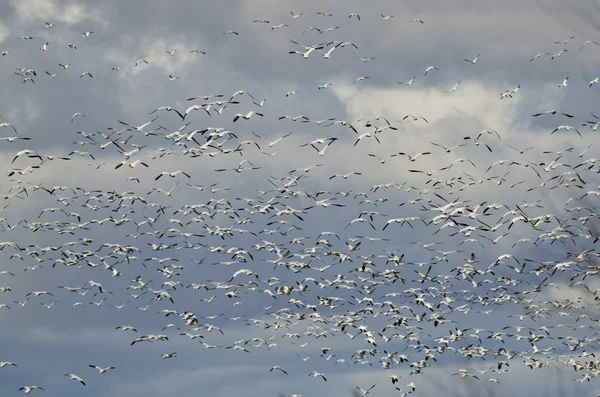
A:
x,y
29,389
76,378
246,116
100,369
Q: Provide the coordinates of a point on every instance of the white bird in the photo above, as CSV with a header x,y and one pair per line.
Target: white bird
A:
x,y
318,374
168,109
171,174
100,369
564,83
473,61
454,88
413,158
564,41
566,128
589,42
38,293
552,112
138,128
76,378
279,368
558,55
131,165
29,389
327,54
409,82
429,69
539,55
86,34
4,125
360,79
364,392
48,306
246,116
273,143
386,17
366,135
76,115
28,152
44,47
308,49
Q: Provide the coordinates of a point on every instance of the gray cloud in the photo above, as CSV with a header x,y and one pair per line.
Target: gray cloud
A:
x,y
47,343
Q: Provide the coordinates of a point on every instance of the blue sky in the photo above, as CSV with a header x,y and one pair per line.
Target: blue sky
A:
x,y
106,219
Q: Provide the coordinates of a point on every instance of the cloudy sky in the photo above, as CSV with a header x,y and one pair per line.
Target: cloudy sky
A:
x,y
78,77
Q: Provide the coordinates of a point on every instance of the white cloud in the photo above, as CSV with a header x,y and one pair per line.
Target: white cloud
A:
x,y
473,102
4,32
70,13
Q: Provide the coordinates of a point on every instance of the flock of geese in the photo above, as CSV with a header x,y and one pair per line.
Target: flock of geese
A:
x,y
189,211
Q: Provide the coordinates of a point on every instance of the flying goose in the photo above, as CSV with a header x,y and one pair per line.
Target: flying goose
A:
x,y
564,83
172,174
138,128
317,375
29,389
552,112
4,125
246,116
76,378
564,41
168,109
429,69
279,368
454,88
589,42
365,392
100,369
474,60
409,82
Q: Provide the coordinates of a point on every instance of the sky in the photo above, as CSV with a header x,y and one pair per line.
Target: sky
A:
x,y
239,239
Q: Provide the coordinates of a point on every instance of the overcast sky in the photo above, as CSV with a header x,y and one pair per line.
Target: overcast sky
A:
x,y
458,81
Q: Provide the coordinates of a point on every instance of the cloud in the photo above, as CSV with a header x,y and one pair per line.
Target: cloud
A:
x,y
71,13
4,32
48,343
